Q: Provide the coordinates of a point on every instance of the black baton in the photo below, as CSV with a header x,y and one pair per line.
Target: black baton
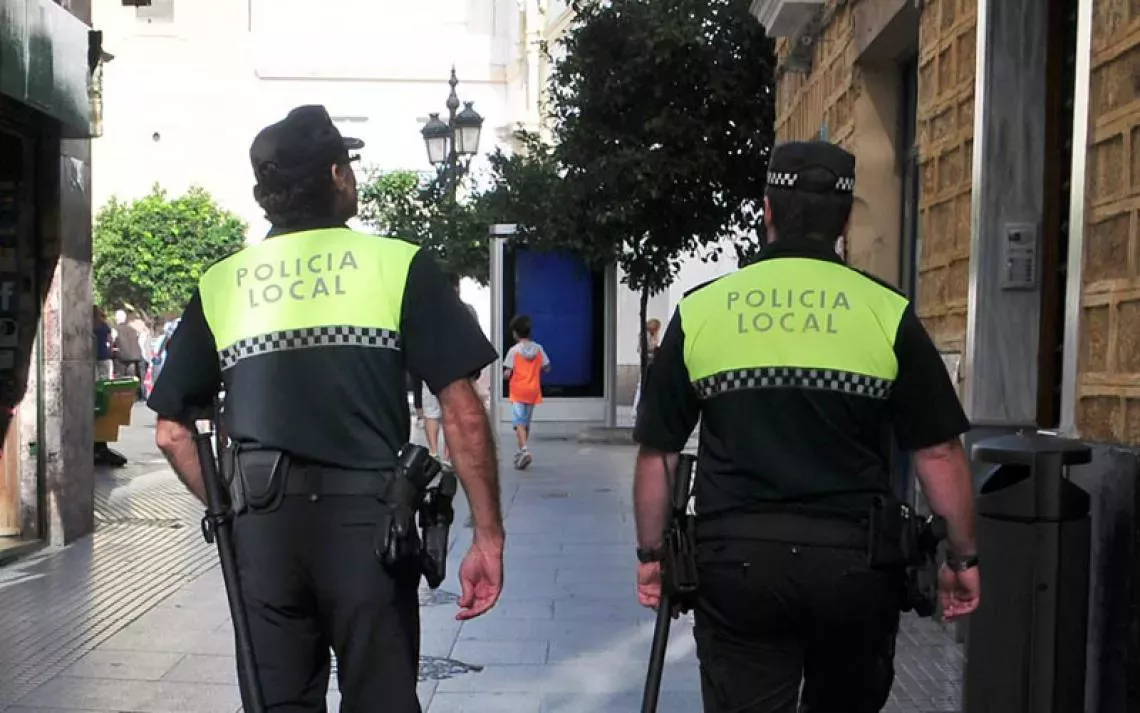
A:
x,y
217,528
678,576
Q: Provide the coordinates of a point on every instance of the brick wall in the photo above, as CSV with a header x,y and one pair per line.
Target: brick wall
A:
x,y
945,147
1108,407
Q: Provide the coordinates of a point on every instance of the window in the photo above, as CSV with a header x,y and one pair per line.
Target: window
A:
x,y
158,11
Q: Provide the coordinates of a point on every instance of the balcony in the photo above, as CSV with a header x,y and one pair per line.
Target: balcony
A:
x,y
785,18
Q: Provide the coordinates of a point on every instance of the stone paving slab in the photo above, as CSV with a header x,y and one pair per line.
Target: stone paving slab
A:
x,y
567,637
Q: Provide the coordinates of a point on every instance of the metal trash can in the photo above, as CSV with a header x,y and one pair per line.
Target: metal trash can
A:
x,y
1026,646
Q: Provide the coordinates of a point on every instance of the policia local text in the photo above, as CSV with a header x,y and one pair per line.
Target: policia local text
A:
x,y
764,310
312,277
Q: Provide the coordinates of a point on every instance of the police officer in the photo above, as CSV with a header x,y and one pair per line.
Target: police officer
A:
x,y
800,369
311,332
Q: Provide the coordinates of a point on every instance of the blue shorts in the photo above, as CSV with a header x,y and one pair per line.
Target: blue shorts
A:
x,y
521,413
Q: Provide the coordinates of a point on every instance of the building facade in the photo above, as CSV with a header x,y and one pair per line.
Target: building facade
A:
x,y
47,55
997,185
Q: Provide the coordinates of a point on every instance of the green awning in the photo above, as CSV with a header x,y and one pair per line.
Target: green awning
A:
x,y
43,62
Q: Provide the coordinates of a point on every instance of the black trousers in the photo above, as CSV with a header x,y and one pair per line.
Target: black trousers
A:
x,y
771,617
311,582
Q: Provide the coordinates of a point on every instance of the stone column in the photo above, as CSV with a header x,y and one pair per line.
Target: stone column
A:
x,y
68,370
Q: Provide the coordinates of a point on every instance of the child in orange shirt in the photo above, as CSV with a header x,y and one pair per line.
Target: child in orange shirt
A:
x,y
523,366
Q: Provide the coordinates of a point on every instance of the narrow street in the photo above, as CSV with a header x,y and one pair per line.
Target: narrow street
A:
x,y
134,618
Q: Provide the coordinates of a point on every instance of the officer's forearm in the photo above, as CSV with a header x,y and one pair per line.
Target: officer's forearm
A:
x,y
176,442
468,434
945,475
651,495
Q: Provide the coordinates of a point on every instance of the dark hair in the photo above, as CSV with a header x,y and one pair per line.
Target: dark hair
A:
x,y
453,279
520,326
821,216
305,200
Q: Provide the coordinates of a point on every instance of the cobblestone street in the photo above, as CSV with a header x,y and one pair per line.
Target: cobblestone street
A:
x,y
134,618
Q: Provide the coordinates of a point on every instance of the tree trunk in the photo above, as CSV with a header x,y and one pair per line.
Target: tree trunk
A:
x,y
643,337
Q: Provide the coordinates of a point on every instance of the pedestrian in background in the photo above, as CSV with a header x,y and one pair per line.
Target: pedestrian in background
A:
x,y
102,350
523,367
652,332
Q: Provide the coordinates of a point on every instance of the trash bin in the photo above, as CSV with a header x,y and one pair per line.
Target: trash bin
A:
x,y
1026,644
114,399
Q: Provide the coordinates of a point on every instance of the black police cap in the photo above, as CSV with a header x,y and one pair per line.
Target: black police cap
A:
x,y
305,140
812,166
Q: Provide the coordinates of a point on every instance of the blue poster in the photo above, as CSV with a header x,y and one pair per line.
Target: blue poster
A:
x,y
556,291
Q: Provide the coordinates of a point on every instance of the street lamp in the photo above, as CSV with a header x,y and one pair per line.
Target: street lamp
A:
x,y
451,144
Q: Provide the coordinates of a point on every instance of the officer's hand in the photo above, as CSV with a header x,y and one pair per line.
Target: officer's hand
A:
x,y
649,584
481,578
959,593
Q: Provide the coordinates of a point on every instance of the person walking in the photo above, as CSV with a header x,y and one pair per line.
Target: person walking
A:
x,y
103,349
801,370
523,367
428,412
652,333
311,332
128,352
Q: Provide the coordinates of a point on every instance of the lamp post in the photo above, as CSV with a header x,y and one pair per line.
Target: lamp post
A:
x,y
451,145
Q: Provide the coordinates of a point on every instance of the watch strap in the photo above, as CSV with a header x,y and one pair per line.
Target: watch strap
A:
x,y
647,555
961,563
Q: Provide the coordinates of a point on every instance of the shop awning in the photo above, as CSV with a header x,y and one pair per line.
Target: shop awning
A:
x,y
44,62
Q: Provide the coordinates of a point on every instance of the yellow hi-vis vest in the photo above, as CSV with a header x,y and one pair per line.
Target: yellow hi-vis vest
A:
x,y
792,322
298,290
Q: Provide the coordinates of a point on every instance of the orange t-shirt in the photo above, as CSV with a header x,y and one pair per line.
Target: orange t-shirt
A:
x,y
526,360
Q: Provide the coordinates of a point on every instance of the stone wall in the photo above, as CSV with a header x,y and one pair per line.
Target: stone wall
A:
x,y
823,98
1108,407
827,99
945,145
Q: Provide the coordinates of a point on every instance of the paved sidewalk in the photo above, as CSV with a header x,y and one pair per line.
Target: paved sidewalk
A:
x,y
134,619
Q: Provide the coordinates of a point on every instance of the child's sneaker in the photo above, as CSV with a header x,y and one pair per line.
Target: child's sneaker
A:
x,y
524,460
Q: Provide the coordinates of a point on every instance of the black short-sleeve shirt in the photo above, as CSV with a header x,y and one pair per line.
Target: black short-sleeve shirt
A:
x,y
811,449
339,405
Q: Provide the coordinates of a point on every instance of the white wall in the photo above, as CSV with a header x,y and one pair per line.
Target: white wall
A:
x,y
211,79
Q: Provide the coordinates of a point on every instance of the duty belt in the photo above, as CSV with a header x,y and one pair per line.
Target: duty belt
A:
x,y
317,479
791,528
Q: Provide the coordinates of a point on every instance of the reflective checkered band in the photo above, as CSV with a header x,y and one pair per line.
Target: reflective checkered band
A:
x,y
845,184
782,180
776,377
289,339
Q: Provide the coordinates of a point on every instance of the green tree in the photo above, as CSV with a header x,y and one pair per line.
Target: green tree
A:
x,y
662,114
391,203
149,253
412,207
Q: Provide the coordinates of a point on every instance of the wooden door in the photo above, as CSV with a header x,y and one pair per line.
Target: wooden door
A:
x,y
10,480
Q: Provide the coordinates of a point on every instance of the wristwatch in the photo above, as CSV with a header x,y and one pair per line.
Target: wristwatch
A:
x,y
961,563
647,555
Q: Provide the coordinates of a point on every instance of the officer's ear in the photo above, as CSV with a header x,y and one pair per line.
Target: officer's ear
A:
x,y
767,213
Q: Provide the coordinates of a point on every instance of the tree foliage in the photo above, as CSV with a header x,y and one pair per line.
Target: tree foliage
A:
x,y
149,253
663,114
417,208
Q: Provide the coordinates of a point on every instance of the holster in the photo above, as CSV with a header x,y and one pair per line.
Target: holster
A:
x,y
436,515
256,478
892,538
